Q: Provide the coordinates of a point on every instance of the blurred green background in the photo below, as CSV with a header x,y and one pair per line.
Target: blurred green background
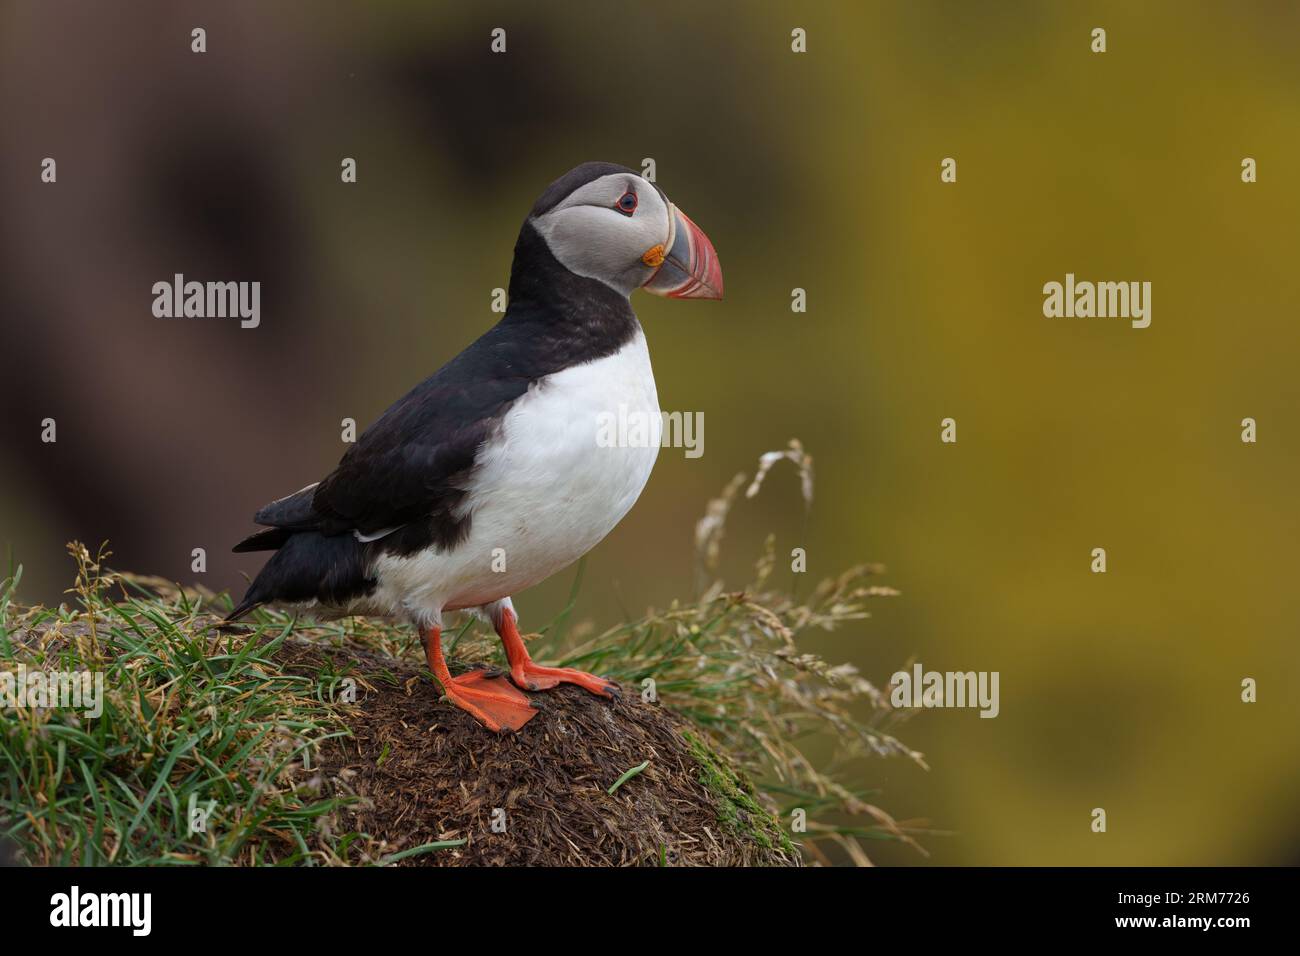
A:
x,y
816,170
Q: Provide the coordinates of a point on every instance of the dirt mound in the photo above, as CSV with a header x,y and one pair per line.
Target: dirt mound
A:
x,y
428,772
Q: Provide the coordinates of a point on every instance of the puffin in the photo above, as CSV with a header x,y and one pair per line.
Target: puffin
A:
x,y
492,474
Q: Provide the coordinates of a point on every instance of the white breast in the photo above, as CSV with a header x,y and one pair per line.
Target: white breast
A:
x,y
546,490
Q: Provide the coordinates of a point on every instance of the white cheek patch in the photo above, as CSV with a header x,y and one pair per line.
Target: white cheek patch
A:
x,y
600,243
592,239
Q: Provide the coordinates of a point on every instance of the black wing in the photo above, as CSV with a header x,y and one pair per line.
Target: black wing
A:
x,y
414,464
411,469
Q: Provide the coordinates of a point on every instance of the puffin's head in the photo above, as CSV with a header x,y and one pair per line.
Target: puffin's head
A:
x,y
605,222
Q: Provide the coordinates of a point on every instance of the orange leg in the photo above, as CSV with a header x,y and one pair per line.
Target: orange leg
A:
x,y
532,676
492,700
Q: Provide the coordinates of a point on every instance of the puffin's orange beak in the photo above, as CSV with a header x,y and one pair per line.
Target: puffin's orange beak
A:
x,y
688,266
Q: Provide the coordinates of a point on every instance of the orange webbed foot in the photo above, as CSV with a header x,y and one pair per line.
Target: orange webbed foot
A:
x,y
532,676
491,699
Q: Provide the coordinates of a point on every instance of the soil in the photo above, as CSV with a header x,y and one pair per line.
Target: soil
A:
x,y
429,772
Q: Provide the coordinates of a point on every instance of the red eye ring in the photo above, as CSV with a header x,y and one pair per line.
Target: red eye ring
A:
x,y
624,206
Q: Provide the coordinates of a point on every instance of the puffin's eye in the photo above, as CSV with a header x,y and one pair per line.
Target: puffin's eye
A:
x,y
627,203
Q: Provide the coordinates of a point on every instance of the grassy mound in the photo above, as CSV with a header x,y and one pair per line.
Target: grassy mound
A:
x,y
586,782
280,742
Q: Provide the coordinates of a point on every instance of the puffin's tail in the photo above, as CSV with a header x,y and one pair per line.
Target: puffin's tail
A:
x,y
307,566
268,539
240,610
